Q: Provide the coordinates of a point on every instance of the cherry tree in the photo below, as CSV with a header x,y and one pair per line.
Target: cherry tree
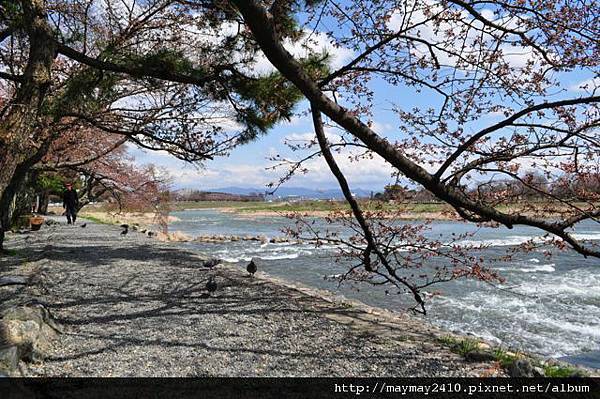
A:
x,y
101,163
498,108
156,72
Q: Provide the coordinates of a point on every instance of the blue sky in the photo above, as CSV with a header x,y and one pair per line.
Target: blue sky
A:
x,y
247,166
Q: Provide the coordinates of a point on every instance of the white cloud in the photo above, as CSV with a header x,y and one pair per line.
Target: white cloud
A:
x,y
373,172
587,86
297,137
515,56
368,173
244,175
382,128
296,120
316,42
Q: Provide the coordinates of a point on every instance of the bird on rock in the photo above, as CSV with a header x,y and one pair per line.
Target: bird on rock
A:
x,y
125,230
83,225
251,268
211,285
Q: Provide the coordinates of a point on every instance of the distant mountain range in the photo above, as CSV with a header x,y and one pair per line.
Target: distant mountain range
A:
x,y
294,192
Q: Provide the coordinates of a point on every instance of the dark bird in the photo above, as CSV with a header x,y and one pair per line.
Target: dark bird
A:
x,y
251,268
125,230
83,225
211,285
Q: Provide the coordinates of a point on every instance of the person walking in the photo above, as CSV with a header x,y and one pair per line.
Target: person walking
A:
x,y
70,203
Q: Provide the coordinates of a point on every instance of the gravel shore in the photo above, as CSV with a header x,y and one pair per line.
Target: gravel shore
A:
x,y
133,306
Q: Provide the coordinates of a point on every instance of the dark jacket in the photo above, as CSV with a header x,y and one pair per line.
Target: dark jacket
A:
x,y
70,199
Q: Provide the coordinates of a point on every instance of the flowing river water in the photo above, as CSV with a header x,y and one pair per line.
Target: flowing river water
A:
x,y
548,306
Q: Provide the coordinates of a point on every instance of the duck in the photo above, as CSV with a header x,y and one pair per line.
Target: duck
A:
x,y
251,268
211,285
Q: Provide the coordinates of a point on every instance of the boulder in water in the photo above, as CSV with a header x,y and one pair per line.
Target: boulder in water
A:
x,y
178,236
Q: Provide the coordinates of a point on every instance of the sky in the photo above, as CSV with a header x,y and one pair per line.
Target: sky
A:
x,y
249,165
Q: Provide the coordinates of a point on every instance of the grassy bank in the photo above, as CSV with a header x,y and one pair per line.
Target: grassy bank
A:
x,y
473,349
407,211
307,206
322,208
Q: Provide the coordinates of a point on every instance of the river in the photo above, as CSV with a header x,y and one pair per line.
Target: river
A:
x,y
547,306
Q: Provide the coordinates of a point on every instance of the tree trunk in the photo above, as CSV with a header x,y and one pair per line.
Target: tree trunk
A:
x,y
23,200
6,207
43,202
10,209
21,120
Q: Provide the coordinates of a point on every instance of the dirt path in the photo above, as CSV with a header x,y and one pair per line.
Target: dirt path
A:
x,y
136,307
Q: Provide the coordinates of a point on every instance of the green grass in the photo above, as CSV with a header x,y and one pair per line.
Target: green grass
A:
x,y
505,359
460,346
448,340
467,346
309,206
95,219
558,371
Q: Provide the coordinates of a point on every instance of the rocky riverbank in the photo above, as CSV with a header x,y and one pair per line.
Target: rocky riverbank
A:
x,y
133,306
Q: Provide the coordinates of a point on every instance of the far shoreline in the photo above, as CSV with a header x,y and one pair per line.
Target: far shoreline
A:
x,y
414,211
321,209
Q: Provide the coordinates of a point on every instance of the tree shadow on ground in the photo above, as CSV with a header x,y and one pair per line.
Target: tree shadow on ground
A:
x,y
101,291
